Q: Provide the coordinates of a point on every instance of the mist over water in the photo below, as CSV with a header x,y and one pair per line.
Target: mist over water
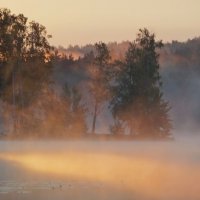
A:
x,y
90,122
132,170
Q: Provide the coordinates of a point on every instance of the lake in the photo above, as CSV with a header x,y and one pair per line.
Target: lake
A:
x,y
100,170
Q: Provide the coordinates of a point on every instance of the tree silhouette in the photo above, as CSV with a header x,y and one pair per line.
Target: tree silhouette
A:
x,y
24,61
138,100
99,79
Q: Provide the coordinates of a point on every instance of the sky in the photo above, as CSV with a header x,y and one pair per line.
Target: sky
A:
x,y
88,21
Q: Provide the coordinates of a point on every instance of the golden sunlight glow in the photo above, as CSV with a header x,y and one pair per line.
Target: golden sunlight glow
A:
x,y
89,21
144,176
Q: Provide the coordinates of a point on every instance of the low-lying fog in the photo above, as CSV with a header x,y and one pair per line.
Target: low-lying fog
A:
x,y
100,170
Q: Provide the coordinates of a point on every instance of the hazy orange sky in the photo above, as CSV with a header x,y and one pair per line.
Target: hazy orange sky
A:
x,y
89,21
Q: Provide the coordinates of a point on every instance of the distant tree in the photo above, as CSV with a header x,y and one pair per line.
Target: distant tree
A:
x,y
99,79
76,113
56,115
79,126
137,97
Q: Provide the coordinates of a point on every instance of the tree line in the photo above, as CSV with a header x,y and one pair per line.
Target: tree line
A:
x,y
34,105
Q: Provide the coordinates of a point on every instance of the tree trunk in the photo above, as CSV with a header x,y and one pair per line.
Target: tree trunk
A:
x,y
94,118
14,106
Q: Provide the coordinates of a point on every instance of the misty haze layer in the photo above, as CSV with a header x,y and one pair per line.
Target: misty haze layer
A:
x,y
180,71
142,170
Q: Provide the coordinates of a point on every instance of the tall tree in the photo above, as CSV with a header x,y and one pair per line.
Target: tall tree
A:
x,y
24,51
138,100
99,79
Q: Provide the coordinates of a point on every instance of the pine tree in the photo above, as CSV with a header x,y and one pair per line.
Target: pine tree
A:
x,y
138,101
